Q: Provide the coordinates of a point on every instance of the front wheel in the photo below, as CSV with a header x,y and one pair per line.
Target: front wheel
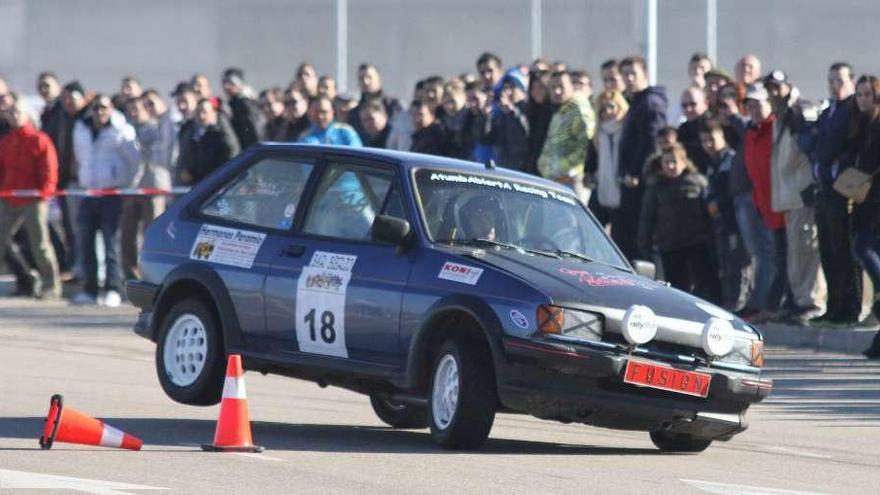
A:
x,y
462,400
190,354
402,416
678,442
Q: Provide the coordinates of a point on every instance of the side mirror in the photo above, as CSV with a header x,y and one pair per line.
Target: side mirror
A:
x,y
645,269
392,230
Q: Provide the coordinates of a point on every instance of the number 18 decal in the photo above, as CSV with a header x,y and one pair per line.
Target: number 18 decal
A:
x,y
320,304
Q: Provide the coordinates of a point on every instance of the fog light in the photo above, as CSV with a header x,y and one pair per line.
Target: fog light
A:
x,y
639,324
717,337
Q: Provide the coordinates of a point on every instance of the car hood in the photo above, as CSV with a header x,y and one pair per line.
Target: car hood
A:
x,y
611,291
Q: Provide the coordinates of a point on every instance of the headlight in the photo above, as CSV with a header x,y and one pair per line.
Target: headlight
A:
x,y
746,351
569,322
717,337
639,324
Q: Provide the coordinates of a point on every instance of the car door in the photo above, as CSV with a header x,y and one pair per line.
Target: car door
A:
x,y
241,224
335,292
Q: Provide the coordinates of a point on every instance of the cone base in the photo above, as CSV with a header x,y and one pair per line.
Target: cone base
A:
x,y
232,448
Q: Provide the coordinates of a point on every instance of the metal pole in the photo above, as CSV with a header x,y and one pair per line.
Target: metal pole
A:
x,y
342,45
651,39
712,30
536,29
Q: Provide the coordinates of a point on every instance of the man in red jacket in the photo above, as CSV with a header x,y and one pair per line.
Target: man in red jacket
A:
x,y
770,278
28,161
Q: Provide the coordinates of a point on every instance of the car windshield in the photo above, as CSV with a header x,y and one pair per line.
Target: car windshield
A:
x,y
467,208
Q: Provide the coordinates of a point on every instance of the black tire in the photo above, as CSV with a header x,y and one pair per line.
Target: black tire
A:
x,y
207,388
401,416
678,442
474,410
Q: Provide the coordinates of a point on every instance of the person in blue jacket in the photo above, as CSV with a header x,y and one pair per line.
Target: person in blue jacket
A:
x,y
324,129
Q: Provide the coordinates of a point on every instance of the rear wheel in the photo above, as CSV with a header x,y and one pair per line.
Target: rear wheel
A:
x,y
462,400
190,354
397,415
678,442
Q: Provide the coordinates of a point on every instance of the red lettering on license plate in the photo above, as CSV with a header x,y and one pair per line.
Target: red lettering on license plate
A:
x,y
665,378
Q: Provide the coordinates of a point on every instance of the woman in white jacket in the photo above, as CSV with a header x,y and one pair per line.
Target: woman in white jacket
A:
x,y
106,150
605,199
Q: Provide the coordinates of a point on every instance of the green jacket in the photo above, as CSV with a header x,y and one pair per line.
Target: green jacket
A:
x,y
568,138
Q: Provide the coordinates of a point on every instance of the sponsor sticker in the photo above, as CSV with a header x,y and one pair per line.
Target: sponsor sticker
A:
x,y
605,280
460,273
320,303
227,246
519,319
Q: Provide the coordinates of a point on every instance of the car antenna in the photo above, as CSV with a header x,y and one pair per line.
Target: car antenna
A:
x,y
490,165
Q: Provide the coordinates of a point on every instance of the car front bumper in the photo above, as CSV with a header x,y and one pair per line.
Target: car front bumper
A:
x,y
142,295
574,383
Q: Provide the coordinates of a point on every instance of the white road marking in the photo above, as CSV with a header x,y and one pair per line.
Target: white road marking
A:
x,y
733,489
261,457
802,453
23,480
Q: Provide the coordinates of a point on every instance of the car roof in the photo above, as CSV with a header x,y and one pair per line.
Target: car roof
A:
x,y
409,160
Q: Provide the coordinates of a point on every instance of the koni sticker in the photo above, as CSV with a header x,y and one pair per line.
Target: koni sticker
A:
x,y
604,280
320,303
227,246
460,273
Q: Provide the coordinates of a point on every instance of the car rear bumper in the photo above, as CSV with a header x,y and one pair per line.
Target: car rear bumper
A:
x,y
575,383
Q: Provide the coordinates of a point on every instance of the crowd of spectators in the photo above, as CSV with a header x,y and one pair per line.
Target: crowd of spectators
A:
x,y
742,191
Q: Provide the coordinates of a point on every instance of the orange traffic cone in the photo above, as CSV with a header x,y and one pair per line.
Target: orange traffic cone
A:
x,y
66,424
233,432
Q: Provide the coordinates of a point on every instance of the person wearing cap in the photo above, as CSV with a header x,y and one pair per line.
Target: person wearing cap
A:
x,y
564,156
75,101
245,116
827,143
758,152
790,176
507,128
28,161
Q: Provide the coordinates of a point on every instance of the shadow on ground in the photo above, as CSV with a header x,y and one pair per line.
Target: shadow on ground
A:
x,y
310,437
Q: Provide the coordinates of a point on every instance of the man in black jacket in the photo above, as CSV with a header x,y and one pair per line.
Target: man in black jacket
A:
x,y
212,144
246,119
826,143
646,116
370,82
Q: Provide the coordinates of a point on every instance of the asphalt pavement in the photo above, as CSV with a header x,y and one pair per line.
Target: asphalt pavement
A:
x,y
817,433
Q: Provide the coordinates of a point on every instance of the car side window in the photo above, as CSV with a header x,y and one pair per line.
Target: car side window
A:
x,y
347,200
265,195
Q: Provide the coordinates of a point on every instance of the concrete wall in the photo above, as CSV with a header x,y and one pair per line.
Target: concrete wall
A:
x,y
164,41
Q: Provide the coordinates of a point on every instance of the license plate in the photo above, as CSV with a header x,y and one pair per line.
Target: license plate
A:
x,y
665,378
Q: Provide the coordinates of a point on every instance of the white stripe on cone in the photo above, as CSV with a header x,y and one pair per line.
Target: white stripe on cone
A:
x,y
233,388
111,437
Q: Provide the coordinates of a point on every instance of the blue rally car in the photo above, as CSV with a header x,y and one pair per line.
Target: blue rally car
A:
x,y
445,290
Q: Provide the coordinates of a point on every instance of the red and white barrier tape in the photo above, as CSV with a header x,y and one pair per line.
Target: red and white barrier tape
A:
x,y
92,193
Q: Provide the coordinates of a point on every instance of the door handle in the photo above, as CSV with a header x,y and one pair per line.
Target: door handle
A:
x,y
293,250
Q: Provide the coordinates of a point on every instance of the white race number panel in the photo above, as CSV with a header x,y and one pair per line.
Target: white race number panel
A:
x,y
320,304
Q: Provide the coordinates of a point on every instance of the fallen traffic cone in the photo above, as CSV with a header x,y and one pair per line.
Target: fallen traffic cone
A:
x,y
66,424
233,432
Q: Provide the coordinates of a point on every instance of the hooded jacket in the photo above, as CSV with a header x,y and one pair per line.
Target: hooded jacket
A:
x,y
647,115
27,161
674,214
107,157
